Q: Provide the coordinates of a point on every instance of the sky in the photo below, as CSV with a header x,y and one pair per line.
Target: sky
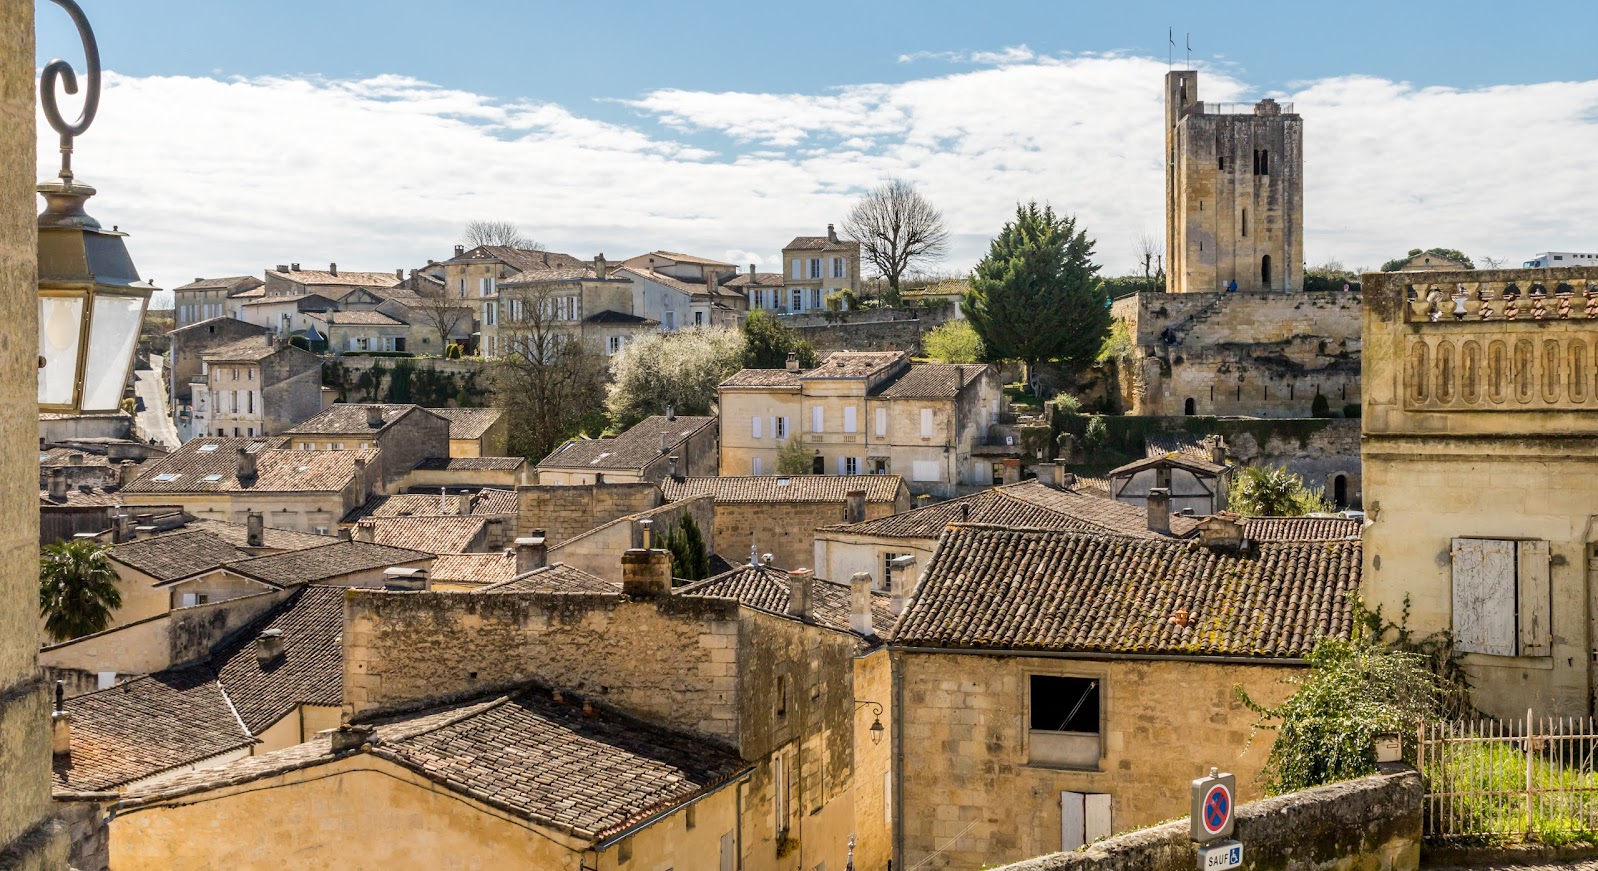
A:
x,y
235,136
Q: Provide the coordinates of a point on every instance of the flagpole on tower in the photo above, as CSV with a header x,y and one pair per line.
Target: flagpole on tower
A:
x,y
1170,51
1190,51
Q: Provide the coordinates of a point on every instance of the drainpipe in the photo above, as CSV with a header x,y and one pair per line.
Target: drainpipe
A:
x,y
896,757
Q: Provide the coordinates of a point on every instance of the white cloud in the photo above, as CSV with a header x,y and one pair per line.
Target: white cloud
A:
x,y
228,176
1011,54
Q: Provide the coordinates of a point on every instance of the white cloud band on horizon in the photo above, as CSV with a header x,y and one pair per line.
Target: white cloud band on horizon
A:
x,y
230,176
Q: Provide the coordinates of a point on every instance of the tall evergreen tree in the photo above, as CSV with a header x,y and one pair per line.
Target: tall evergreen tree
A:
x,y
1036,296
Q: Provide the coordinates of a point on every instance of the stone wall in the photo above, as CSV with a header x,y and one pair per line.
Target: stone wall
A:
x,y
89,826
669,660
55,428
885,335
193,342
1261,354
566,511
1369,824
29,839
786,530
599,550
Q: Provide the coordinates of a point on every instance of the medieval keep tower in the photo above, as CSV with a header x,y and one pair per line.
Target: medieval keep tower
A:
x,y
1234,192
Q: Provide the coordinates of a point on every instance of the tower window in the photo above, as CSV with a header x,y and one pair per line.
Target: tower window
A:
x,y
1262,162
1245,222
1222,162
1265,270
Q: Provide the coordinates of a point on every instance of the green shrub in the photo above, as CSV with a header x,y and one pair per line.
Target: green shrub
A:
x,y
1351,410
953,342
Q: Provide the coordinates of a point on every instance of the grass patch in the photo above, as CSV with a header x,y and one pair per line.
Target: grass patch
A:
x,y
1488,783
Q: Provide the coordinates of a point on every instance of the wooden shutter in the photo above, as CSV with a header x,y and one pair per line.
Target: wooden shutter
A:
x,y
756,424
1484,596
882,421
817,414
1073,821
848,418
1535,600
1096,817
729,857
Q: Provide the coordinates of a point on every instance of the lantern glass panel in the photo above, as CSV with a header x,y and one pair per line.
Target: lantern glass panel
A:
x,y
112,334
60,327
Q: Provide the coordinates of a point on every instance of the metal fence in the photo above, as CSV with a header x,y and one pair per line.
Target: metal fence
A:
x,y
1529,779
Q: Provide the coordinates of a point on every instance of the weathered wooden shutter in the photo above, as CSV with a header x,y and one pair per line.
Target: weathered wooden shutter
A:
x,y
1073,821
1096,816
1535,617
1484,596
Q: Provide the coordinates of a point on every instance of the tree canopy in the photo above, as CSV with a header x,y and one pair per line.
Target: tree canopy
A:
x,y
898,229
77,588
1036,296
767,343
505,233
550,385
1397,263
1274,492
681,370
953,342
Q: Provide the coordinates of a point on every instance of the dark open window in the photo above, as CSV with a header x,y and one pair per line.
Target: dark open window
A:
x,y
1265,270
1065,704
1262,162
1190,407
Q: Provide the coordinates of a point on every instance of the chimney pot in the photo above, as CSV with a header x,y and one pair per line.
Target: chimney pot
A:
x,y
374,416
399,274
255,529
295,267
1160,510
463,504
531,552
854,506
281,267
799,581
860,604
793,361
245,467
268,647
903,570
58,483
751,272
1218,451
665,443
601,268
671,467
460,250
60,732
671,414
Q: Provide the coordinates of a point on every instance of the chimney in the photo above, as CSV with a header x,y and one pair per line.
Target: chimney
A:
x,y
965,512
1160,510
463,504
365,530
799,581
904,581
282,267
1222,531
751,273
1060,478
332,268
854,506
350,737
645,573
61,724
671,413
460,250
665,442
271,339
601,268
531,552
344,533
1218,451
268,647
793,361
374,416
832,235
860,604
399,275
58,483
254,529
245,470
122,528
671,468
294,267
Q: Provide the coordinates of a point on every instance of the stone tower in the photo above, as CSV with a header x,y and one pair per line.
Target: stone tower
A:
x,y
1234,192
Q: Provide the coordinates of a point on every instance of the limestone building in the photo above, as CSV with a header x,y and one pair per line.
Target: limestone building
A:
x,y
1234,192
818,266
206,298
1481,435
256,386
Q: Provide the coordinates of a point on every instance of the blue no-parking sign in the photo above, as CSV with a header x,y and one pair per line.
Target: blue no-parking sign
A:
x,y
1214,801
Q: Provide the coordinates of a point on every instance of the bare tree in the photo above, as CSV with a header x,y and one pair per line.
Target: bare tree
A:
x,y
435,310
547,381
1493,262
1150,258
897,228
497,233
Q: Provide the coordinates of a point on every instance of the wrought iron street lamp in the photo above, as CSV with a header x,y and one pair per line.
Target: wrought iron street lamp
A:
x,y
91,299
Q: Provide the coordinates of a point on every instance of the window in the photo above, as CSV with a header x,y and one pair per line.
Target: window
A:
x,y
756,421
1223,162
838,267
849,423
926,470
699,319
779,788
754,466
1502,604
926,423
1262,162
729,853
1084,818
815,267
1245,222
463,288
1064,721
760,299
882,421
798,300
798,268
818,417
815,297
613,345
851,465
489,311
1265,270
485,286
885,582
782,695
779,427
671,320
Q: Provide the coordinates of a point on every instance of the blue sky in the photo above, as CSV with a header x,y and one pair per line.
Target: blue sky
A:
x,y
238,135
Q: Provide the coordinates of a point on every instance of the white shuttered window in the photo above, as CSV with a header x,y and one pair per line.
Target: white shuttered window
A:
x,y
756,420
882,422
1501,596
817,418
926,423
849,424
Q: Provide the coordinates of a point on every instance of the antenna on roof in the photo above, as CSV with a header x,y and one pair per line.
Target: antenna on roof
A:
x,y
1170,53
1190,51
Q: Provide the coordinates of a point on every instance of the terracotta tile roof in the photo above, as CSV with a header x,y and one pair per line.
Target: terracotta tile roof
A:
x,y
219,283
253,293
433,535
932,381
472,464
590,775
78,497
992,588
1028,505
556,578
1300,528
686,258
764,378
357,318
350,419
818,243
59,456
784,488
485,502
469,423
326,562
523,259
249,348
1160,444
609,316
689,287
1088,484
312,277
551,272
474,568
209,465
177,554
311,670
632,450
237,534
145,726
854,364
1184,461
766,589
759,279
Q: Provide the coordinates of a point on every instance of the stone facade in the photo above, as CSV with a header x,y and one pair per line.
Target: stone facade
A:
x,y
786,531
190,343
256,395
1234,193
970,793
565,512
1480,445
1253,354
599,550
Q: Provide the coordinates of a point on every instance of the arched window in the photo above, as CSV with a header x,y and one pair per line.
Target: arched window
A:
x,y
1190,407
1340,490
1265,271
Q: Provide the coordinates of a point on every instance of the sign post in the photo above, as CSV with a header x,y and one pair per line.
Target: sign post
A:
x,y
1210,816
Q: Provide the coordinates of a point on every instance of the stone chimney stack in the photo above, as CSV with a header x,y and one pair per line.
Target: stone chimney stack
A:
x,y
374,416
399,275
665,442
255,529
294,267
860,604
793,361
460,250
601,267
463,504
752,273
854,506
671,468
268,647
645,572
532,553
281,267
1160,510
61,724
1218,451
58,483
245,468
365,531
903,582
332,268
122,528
832,235
799,581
